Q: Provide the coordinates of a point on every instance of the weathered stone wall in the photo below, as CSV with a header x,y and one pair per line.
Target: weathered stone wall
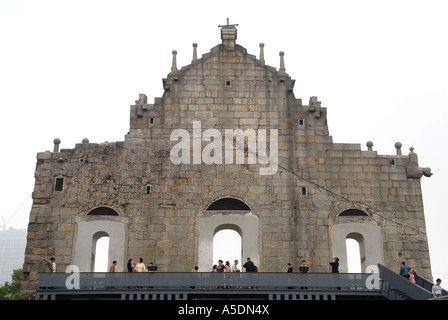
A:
x,y
164,226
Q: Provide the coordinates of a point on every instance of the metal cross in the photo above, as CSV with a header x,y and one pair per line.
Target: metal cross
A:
x,y
227,25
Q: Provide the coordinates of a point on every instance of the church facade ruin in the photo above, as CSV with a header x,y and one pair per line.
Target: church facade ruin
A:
x,y
178,178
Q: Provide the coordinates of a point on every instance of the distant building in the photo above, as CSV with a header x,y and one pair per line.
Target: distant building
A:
x,y
12,252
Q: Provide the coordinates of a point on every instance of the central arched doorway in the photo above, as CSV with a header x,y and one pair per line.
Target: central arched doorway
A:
x,y
354,260
233,214
227,244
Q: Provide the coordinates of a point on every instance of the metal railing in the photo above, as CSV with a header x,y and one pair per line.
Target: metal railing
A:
x,y
204,280
427,285
191,283
273,284
397,287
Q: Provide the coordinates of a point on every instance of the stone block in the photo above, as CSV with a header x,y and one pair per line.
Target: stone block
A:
x,y
304,139
41,195
65,227
164,243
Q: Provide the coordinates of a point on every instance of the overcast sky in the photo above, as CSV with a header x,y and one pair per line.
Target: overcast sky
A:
x,y
71,69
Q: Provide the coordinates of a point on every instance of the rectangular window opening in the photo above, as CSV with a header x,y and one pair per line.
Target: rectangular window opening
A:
x,y
228,83
301,122
59,184
148,189
304,191
151,120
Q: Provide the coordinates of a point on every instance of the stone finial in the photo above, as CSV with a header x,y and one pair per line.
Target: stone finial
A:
x,y
85,141
413,157
195,53
56,142
262,53
369,145
142,99
398,146
282,62
174,63
315,107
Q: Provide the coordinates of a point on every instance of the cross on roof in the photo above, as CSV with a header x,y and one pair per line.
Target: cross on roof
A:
x,y
227,25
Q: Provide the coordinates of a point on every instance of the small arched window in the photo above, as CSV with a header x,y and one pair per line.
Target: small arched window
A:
x,y
148,188
355,246
102,211
227,244
353,213
228,204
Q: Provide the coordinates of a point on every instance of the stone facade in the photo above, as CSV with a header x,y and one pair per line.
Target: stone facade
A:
x,y
150,207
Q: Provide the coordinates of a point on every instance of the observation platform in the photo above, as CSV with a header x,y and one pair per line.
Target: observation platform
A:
x,y
231,286
206,285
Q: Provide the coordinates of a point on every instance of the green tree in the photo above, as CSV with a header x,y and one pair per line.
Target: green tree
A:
x,y
11,291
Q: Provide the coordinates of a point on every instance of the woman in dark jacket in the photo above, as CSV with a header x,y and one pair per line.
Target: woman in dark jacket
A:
x,y
130,265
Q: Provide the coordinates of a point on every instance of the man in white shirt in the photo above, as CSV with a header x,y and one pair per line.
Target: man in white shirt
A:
x,y
235,266
437,289
51,264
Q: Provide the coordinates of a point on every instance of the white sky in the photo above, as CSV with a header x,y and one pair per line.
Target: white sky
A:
x,y
71,69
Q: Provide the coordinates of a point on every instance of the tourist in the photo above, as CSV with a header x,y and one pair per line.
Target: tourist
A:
x,y
195,269
411,275
220,266
227,267
219,269
214,269
112,267
334,265
289,270
131,265
235,266
140,266
51,264
404,269
304,268
249,265
436,290
151,268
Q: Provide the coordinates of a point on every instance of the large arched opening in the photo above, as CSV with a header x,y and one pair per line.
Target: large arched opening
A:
x,y
232,215
367,241
100,237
